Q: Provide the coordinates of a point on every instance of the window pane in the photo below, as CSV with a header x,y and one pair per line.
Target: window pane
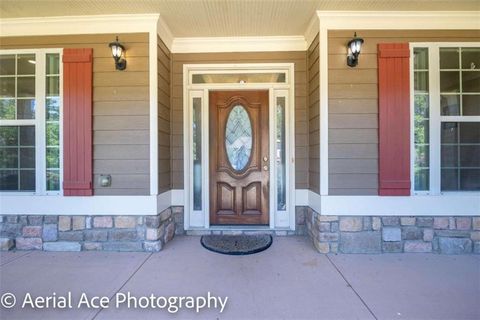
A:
x,y
53,85
449,58
421,82
8,136
470,156
17,164
471,81
449,81
197,153
420,58
460,160
25,109
7,109
52,134
471,105
53,157
27,158
53,180
53,62
52,109
7,87
449,179
421,130
26,64
470,179
471,58
8,158
9,180
422,179
280,156
27,136
449,156
238,138
422,158
7,65
470,132
26,87
421,106
27,180
449,132
450,105
239,78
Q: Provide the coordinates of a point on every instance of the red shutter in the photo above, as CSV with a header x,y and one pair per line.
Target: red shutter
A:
x,y
77,122
394,119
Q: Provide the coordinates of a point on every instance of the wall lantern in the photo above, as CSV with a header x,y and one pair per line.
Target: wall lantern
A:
x,y
117,53
354,47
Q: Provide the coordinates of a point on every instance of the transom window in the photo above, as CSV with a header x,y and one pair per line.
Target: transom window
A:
x,y
30,121
446,117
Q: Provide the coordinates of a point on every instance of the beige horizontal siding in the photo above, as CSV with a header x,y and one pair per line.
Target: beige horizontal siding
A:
x,y
120,107
353,105
164,62
301,121
313,116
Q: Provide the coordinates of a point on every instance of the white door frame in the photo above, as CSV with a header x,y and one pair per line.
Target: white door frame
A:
x,y
201,219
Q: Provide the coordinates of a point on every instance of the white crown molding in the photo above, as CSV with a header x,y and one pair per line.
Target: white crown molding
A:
x,y
312,30
125,23
239,44
165,33
399,19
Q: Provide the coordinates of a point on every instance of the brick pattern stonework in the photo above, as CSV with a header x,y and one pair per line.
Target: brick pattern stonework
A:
x,y
387,234
85,232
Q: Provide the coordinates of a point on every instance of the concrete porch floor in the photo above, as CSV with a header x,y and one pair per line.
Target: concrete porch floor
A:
x,y
288,281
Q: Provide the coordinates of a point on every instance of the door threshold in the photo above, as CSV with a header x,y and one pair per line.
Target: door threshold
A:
x,y
240,228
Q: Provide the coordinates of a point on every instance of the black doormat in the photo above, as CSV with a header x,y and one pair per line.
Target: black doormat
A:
x,y
237,245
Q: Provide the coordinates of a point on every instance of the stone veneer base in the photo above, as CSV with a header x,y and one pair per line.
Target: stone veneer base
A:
x,y
393,234
90,232
329,234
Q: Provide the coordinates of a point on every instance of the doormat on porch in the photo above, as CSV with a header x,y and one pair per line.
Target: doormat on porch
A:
x,y
236,245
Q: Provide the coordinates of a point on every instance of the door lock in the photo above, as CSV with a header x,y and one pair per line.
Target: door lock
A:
x,y
265,168
265,159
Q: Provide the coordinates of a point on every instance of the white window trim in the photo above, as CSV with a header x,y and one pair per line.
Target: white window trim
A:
x,y
201,219
39,121
435,117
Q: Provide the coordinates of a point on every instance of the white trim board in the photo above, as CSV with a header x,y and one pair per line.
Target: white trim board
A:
x,y
95,24
238,44
440,205
94,205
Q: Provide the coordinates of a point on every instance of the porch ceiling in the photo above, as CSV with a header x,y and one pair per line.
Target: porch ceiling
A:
x,y
224,18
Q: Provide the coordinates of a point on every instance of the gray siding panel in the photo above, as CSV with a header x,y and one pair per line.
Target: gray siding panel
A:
x,y
313,116
165,127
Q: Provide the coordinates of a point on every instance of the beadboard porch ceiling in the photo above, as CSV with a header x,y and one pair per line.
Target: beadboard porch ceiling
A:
x,y
224,18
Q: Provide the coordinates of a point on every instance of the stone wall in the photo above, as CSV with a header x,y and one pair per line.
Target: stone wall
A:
x,y
90,232
393,234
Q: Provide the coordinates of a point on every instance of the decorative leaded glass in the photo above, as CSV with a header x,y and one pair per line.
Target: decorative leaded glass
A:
x,y
238,138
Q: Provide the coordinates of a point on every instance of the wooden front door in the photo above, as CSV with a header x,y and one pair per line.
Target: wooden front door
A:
x,y
239,157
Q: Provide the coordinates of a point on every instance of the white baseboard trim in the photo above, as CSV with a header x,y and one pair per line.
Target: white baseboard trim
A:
x,y
418,205
301,197
428,205
95,205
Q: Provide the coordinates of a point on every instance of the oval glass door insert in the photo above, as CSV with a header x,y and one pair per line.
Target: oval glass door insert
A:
x,y
238,138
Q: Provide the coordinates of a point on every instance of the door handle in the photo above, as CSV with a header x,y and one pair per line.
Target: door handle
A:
x,y
265,168
265,158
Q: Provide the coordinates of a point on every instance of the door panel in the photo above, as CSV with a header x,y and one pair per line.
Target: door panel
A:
x,y
239,152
